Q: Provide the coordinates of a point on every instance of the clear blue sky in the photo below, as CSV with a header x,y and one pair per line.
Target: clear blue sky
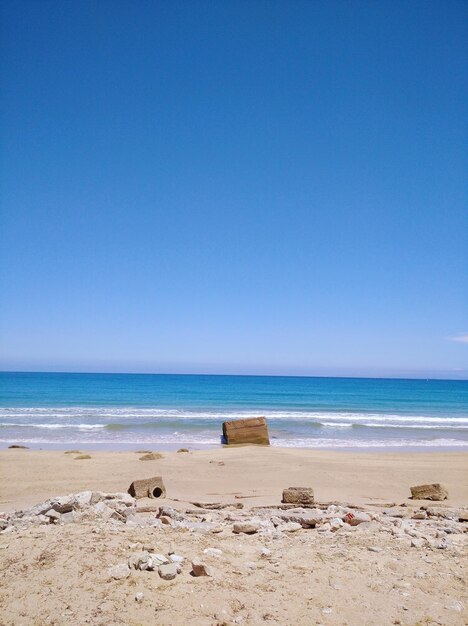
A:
x,y
237,187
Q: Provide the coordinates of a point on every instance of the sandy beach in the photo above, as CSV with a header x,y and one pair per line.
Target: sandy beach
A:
x,y
257,474
391,570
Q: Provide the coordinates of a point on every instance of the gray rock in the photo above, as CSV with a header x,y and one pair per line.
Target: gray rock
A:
x,y
290,527
68,518
54,516
83,499
417,542
139,560
169,571
102,510
119,572
248,528
201,569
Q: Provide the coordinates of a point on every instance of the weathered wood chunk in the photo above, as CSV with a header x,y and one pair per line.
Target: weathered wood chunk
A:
x,y
298,495
148,488
250,430
429,492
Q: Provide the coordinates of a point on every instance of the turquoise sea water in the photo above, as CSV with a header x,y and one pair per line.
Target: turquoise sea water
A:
x,y
167,411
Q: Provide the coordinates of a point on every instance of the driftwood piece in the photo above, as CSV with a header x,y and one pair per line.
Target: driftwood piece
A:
x,y
252,430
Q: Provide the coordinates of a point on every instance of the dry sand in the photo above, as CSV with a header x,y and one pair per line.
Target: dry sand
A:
x,y
58,574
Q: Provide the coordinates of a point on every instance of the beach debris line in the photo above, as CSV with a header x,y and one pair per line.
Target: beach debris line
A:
x,y
298,495
148,488
442,528
251,430
434,491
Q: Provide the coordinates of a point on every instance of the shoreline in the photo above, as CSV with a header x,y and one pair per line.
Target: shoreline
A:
x,y
172,446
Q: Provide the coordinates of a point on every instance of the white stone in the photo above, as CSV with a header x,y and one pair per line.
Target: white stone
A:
x,y
155,560
119,572
169,571
213,552
83,499
139,596
176,558
336,524
139,560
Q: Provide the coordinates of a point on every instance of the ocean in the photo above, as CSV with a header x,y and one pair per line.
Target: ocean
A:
x,y
125,411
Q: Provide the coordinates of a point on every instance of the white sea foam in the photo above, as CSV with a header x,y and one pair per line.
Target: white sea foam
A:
x,y
327,418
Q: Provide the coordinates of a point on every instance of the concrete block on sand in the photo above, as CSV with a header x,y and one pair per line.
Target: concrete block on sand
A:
x,y
298,495
434,491
251,430
148,488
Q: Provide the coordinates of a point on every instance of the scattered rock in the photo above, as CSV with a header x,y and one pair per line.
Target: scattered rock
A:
x,y
289,527
139,560
82,457
73,452
151,456
156,560
434,491
265,552
455,606
169,571
417,542
176,558
139,596
201,569
336,523
53,515
354,519
248,528
119,572
18,447
68,518
181,450
213,552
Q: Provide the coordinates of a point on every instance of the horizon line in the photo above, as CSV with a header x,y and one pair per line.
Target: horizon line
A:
x,y
424,378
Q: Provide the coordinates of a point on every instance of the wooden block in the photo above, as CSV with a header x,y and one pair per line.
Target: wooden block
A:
x,y
148,488
429,492
298,495
251,430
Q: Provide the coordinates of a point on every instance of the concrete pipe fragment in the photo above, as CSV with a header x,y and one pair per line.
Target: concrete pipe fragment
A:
x,y
148,488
